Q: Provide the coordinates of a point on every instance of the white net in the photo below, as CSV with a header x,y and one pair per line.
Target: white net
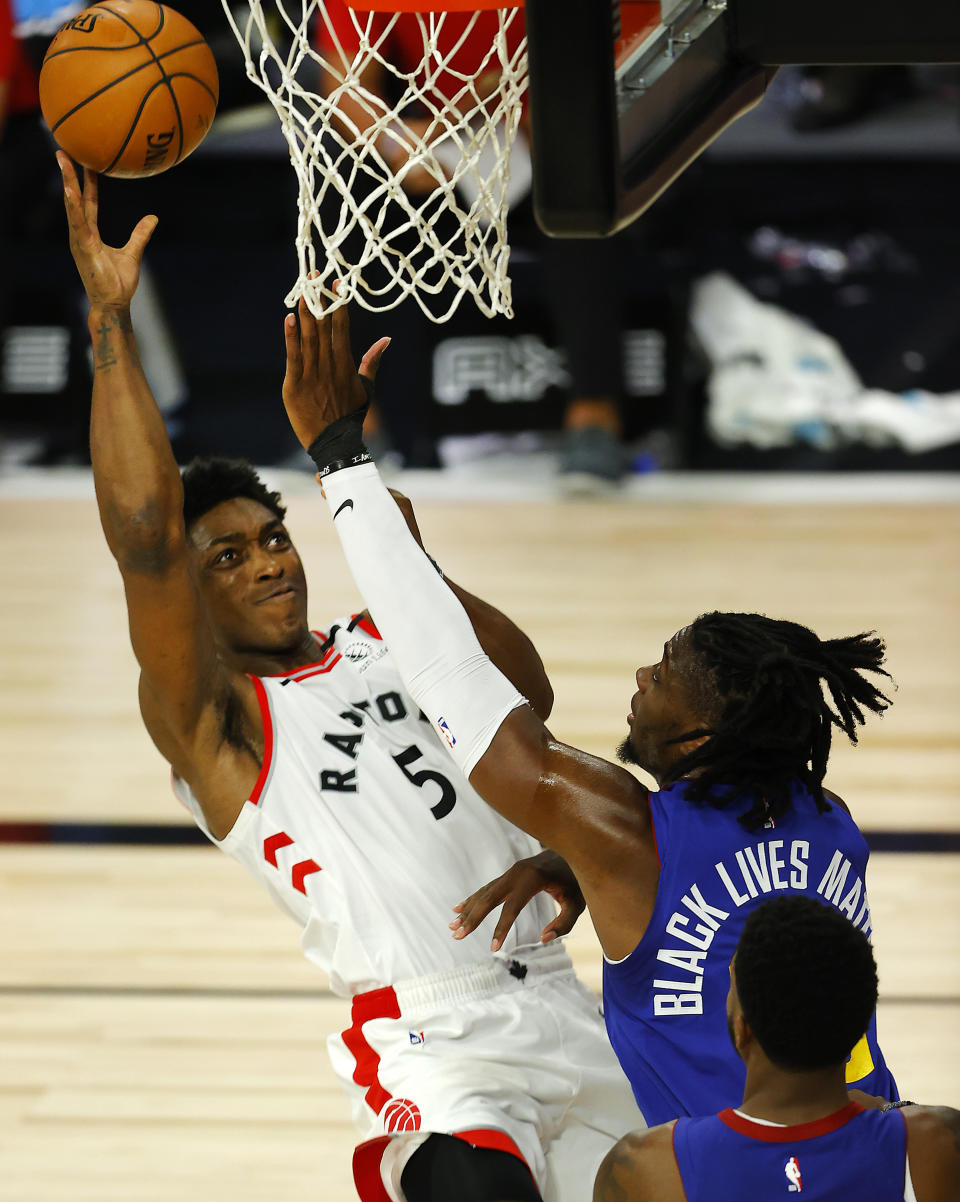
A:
x,y
404,141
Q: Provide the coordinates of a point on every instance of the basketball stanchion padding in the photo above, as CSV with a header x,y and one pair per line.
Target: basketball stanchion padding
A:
x,y
128,87
404,184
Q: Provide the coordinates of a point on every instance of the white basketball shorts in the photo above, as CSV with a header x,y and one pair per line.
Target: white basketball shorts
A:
x,y
509,1054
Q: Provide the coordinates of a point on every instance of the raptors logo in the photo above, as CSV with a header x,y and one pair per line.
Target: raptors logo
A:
x,y
400,1114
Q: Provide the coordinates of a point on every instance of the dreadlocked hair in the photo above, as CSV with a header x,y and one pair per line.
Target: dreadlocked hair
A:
x,y
211,479
759,683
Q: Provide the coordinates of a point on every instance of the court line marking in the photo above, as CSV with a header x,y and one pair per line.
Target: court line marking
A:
x,y
170,834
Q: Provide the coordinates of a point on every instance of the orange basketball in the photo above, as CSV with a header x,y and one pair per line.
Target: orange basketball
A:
x,y
129,87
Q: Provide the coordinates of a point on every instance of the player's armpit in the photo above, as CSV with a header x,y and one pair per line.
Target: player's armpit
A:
x,y
641,1167
220,757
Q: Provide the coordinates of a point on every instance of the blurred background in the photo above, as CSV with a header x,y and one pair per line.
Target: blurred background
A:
x,y
834,201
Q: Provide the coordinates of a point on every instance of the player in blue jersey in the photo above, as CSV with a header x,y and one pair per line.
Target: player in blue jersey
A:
x,y
734,721
802,985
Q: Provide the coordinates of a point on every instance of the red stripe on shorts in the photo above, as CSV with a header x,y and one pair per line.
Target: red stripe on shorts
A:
x,y
367,1157
498,1141
378,1003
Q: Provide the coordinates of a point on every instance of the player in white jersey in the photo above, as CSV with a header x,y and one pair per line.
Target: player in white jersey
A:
x,y
302,755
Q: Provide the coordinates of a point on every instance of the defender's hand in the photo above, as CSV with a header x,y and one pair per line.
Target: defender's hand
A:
x,y
321,381
543,873
110,274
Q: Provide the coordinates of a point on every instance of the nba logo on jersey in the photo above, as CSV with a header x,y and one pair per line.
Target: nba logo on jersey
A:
x,y
792,1170
416,1037
445,731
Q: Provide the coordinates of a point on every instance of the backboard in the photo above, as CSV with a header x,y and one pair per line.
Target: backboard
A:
x,y
624,94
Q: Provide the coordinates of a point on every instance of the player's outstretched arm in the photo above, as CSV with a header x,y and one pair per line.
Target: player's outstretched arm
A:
x,y
592,812
140,498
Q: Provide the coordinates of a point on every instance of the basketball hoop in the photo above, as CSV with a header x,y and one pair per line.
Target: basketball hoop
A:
x,y
404,183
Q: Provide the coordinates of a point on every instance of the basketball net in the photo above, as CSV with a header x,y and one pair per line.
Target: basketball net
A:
x,y
354,151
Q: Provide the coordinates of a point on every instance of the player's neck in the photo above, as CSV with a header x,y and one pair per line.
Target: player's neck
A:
x,y
792,1098
276,663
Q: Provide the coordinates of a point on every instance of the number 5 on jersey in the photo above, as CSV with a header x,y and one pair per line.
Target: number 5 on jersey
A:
x,y
448,795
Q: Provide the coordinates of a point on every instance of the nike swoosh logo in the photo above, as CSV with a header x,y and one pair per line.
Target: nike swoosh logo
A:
x,y
344,505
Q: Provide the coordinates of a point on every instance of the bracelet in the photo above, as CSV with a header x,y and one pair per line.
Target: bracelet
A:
x,y
341,443
894,1105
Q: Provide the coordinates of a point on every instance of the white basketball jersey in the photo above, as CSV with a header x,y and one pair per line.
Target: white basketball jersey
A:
x,y
362,828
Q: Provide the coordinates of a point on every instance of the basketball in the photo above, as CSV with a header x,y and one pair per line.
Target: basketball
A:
x,y
128,87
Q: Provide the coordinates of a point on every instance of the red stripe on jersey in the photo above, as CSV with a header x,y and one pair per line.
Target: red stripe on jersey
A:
x,y
272,845
320,638
776,1135
378,1003
303,869
653,828
324,666
498,1141
367,626
267,738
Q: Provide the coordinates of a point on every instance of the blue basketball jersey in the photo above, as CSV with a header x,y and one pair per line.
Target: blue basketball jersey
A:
x,y
852,1154
665,1004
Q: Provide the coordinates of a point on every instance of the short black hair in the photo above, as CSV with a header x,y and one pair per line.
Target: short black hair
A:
x,y
210,479
807,982
758,684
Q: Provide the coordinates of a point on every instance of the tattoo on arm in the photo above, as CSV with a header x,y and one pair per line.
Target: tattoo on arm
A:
x,y
614,1171
104,353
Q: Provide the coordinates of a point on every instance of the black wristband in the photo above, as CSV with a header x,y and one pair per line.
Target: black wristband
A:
x,y
894,1105
341,444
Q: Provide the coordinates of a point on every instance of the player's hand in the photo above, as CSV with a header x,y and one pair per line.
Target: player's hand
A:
x,y
869,1100
543,873
322,382
110,274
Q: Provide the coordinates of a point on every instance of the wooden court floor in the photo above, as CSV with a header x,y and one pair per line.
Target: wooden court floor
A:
x,y
160,1036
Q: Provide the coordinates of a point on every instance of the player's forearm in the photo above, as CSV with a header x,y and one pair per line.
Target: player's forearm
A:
x,y
502,640
510,649
136,477
424,624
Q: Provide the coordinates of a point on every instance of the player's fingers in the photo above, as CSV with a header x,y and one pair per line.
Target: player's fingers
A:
x,y
91,199
291,339
142,233
340,333
370,363
549,932
508,916
475,909
309,338
71,192
565,921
